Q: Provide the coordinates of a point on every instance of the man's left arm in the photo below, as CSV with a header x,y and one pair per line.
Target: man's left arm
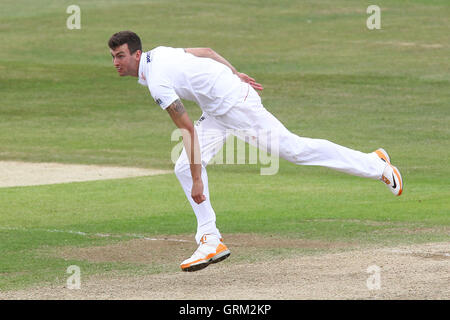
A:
x,y
210,53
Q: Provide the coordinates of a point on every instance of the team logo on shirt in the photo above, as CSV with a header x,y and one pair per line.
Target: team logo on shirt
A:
x,y
149,59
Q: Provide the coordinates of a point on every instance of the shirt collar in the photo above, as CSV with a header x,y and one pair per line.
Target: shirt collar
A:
x,y
142,74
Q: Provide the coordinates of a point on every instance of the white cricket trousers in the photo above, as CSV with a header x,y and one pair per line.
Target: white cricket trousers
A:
x,y
249,115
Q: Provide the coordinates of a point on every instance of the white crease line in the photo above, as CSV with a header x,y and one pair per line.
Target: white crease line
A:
x,y
138,236
103,235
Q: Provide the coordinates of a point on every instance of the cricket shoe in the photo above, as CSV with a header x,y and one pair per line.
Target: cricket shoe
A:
x,y
211,250
391,175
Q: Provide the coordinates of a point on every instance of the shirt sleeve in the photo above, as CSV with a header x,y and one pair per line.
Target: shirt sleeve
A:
x,y
163,93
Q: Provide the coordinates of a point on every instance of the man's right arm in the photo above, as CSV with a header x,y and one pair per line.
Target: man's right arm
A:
x,y
191,144
210,53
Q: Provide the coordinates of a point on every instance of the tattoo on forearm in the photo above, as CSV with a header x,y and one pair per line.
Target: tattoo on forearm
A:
x,y
176,108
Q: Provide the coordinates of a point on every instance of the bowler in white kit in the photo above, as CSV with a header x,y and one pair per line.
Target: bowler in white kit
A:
x,y
229,101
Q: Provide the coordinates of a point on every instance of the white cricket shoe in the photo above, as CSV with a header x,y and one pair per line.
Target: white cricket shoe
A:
x,y
391,175
211,250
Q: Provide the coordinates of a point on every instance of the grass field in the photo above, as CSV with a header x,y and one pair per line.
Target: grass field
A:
x,y
325,76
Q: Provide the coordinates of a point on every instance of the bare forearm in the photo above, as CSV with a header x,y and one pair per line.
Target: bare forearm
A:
x,y
215,56
210,53
190,138
191,145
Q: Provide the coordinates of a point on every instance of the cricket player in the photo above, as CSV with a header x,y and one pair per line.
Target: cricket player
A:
x,y
229,100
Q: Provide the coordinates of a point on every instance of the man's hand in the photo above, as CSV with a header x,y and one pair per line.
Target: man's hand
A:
x,y
250,81
197,192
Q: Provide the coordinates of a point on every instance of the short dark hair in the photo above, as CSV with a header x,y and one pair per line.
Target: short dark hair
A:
x,y
128,37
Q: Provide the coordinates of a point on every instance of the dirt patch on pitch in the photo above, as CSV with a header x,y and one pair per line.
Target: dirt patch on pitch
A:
x,y
174,249
419,271
16,173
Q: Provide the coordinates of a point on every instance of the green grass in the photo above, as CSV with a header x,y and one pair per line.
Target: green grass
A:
x,y
325,76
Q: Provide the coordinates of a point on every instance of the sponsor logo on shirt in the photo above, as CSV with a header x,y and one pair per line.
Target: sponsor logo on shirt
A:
x,y
149,59
200,120
159,101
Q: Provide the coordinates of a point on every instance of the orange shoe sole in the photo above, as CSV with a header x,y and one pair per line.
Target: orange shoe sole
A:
x,y
221,254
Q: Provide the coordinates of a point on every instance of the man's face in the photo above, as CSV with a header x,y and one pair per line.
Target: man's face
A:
x,y
125,63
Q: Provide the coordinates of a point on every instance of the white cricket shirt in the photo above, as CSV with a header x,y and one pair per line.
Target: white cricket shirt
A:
x,y
171,73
